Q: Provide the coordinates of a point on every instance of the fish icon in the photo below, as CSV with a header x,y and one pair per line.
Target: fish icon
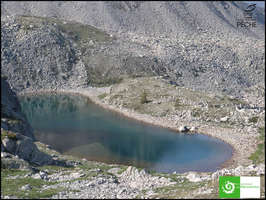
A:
x,y
250,8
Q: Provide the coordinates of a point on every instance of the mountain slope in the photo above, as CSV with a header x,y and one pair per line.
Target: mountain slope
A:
x,y
166,18
191,44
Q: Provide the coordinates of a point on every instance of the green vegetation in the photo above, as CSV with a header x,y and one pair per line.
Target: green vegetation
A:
x,y
12,187
79,32
259,155
97,80
116,96
177,103
53,168
122,169
178,190
143,98
8,134
102,96
82,32
92,165
253,120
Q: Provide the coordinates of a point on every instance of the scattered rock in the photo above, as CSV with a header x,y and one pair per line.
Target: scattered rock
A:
x,y
26,187
224,119
183,129
77,175
193,177
193,129
6,155
114,170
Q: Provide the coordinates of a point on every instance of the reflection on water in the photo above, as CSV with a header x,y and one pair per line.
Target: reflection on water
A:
x,y
73,125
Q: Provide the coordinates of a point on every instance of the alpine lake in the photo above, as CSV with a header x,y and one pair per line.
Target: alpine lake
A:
x,y
73,125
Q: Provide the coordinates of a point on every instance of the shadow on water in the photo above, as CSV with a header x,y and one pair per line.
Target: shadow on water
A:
x,y
74,125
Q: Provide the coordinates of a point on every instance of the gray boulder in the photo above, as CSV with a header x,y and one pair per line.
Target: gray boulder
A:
x,y
9,145
24,148
183,129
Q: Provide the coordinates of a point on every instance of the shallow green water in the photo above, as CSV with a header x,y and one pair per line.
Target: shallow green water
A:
x,y
73,125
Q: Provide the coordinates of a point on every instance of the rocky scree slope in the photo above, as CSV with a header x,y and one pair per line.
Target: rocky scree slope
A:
x,y
48,53
149,18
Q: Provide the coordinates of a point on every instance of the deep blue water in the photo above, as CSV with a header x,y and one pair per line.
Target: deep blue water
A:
x,y
74,125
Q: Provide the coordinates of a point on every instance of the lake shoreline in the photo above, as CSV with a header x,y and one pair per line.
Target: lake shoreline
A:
x,y
92,94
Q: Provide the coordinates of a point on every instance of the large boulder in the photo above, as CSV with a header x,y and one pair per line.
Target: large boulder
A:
x,y
24,147
183,129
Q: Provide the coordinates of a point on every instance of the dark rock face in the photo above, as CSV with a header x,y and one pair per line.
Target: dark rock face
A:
x,y
24,148
17,137
11,116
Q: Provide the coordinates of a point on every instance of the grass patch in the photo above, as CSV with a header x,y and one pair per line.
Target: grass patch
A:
x,y
122,169
253,120
89,166
102,96
97,80
143,98
54,168
13,172
12,187
79,32
178,190
116,96
177,103
83,32
8,134
259,155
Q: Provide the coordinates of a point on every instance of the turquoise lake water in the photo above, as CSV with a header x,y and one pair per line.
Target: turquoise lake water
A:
x,y
74,125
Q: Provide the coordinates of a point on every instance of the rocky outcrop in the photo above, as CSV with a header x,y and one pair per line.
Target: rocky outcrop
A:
x,y
129,184
11,116
17,139
257,170
24,148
